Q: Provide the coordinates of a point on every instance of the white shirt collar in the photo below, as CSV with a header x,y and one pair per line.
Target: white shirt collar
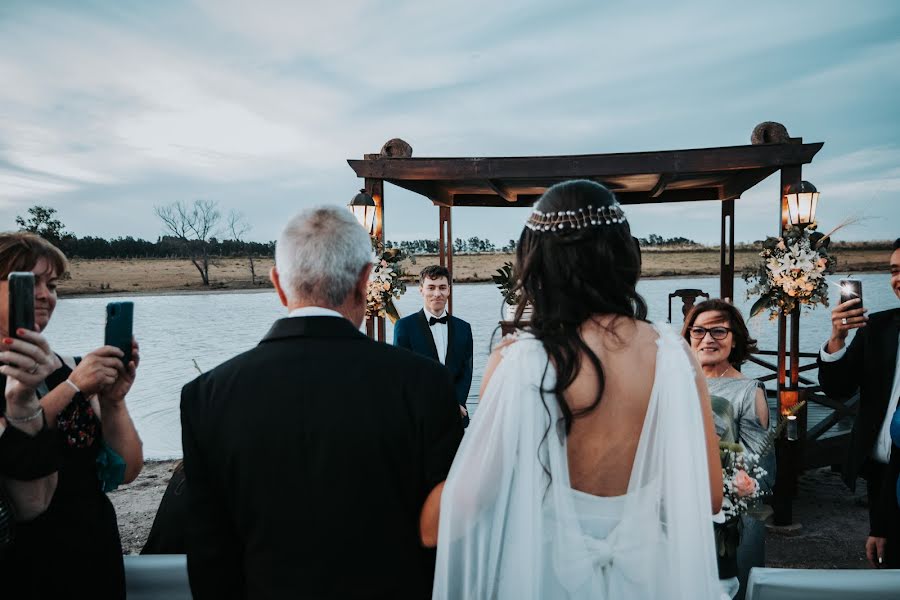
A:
x,y
315,311
428,314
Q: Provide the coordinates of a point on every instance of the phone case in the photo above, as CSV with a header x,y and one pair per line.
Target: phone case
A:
x,y
21,301
119,318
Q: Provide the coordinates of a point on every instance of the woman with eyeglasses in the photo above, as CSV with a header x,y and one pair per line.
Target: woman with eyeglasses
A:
x,y
719,338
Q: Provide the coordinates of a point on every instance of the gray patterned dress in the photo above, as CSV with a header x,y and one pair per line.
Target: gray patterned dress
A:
x,y
746,429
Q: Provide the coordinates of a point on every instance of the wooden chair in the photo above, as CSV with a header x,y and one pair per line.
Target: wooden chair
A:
x,y
688,298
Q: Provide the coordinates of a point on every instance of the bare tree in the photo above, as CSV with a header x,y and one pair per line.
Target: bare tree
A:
x,y
238,226
194,225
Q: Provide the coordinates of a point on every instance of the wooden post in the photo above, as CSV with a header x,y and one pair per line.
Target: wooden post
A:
x,y
787,453
375,188
726,253
445,246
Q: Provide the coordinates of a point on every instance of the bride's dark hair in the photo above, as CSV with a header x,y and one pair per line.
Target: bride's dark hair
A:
x,y
572,273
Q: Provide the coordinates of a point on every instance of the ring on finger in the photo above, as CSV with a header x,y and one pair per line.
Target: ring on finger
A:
x,y
844,321
33,368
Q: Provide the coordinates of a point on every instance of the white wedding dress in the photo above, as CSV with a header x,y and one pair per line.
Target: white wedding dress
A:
x,y
508,531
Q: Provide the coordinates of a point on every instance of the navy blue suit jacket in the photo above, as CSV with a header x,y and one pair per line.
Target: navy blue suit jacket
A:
x,y
413,333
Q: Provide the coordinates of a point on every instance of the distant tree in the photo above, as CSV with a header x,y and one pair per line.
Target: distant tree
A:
x,y
42,222
194,227
238,226
459,245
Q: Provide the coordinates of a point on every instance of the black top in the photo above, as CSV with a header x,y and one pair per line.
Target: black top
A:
x,y
308,459
73,549
868,366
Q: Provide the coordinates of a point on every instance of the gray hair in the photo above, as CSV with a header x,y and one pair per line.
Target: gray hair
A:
x,y
320,254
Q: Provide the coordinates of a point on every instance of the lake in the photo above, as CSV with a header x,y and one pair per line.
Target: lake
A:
x,y
181,333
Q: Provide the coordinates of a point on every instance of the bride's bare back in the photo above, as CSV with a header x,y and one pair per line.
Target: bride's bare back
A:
x,y
602,443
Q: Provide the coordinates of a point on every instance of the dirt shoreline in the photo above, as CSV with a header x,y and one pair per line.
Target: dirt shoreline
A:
x,y
99,277
834,521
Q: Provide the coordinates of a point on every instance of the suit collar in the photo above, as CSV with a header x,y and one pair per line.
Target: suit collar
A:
x,y
319,327
422,321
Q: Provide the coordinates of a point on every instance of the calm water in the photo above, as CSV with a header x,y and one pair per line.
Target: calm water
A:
x,y
177,331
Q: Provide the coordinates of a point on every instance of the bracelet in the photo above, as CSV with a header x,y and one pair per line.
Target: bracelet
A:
x,y
32,417
74,387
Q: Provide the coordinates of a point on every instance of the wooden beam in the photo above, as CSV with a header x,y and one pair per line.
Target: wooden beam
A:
x,y
430,189
501,190
738,184
661,183
703,160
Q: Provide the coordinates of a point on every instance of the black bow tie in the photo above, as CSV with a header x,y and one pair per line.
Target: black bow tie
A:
x,y
443,320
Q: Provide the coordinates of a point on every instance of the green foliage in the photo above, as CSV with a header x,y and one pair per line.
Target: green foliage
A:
x,y
42,222
505,280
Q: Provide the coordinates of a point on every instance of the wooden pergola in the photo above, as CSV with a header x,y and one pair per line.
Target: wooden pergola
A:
x,y
662,177
722,174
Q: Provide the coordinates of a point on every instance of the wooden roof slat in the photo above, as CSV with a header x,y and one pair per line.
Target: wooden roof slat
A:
x,y
589,165
636,178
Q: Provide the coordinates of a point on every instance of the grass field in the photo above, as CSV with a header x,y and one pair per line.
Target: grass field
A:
x,y
172,275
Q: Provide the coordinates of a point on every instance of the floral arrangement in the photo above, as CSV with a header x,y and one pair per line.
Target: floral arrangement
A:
x,y
791,272
740,479
386,281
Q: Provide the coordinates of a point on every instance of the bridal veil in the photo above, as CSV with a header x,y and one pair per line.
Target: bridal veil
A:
x,y
508,530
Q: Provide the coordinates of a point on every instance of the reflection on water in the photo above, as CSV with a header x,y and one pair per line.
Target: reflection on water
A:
x,y
177,331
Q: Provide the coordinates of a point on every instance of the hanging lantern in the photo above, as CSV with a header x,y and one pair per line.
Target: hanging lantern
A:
x,y
801,202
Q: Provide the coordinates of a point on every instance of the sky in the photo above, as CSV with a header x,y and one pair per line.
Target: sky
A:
x,y
108,109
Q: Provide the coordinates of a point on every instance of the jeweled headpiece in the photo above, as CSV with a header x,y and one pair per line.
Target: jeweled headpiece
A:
x,y
575,219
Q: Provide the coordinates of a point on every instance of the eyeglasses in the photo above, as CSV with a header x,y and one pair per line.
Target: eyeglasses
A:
x,y
717,333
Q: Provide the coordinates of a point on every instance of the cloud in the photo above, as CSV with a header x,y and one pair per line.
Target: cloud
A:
x,y
263,106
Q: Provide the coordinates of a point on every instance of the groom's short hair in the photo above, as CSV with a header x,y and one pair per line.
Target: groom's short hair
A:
x,y
320,255
434,272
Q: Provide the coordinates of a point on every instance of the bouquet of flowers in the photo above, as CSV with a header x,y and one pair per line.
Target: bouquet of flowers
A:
x,y
741,475
385,282
791,271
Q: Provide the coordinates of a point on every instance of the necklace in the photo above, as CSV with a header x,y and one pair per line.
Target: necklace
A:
x,y
725,371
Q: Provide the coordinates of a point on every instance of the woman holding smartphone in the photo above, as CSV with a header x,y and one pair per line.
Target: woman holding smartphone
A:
x,y
71,548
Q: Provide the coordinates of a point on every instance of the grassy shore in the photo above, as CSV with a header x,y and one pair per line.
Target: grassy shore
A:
x,y
179,275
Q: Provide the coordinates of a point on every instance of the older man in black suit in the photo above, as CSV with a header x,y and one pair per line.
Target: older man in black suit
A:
x,y
871,365
310,456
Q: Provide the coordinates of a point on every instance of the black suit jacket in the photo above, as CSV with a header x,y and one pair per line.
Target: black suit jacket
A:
x,y
309,458
414,333
868,366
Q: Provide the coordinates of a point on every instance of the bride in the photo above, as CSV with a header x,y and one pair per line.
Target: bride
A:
x,y
592,467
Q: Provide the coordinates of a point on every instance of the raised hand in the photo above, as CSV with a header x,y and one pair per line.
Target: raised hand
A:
x,y
116,393
98,370
844,317
28,361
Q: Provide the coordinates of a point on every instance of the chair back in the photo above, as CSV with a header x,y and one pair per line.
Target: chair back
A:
x,y
688,298
153,576
823,584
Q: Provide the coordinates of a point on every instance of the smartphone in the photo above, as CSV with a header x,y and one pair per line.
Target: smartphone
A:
x,y
119,318
21,301
850,289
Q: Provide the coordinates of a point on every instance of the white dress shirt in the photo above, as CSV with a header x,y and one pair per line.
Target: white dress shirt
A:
x,y
439,333
882,449
315,311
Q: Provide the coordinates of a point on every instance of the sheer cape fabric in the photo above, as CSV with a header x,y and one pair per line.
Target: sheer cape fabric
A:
x,y
508,530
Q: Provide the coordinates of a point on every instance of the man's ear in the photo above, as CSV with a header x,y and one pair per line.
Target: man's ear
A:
x,y
362,284
276,281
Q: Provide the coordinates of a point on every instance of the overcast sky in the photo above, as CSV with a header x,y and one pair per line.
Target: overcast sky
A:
x,y
110,108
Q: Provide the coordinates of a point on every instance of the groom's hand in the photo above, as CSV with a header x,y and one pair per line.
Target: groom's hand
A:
x,y
875,551
463,412
845,316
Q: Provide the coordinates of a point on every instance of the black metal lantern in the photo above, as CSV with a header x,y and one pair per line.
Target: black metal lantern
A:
x,y
363,208
801,201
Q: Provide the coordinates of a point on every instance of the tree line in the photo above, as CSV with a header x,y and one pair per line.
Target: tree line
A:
x,y
199,232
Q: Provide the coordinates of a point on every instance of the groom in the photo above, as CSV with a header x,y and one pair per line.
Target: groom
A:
x,y
434,333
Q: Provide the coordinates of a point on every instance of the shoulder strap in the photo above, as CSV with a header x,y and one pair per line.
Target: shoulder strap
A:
x,y
70,361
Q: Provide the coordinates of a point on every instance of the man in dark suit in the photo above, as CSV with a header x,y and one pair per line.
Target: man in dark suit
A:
x,y
435,333
871,365
309,457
